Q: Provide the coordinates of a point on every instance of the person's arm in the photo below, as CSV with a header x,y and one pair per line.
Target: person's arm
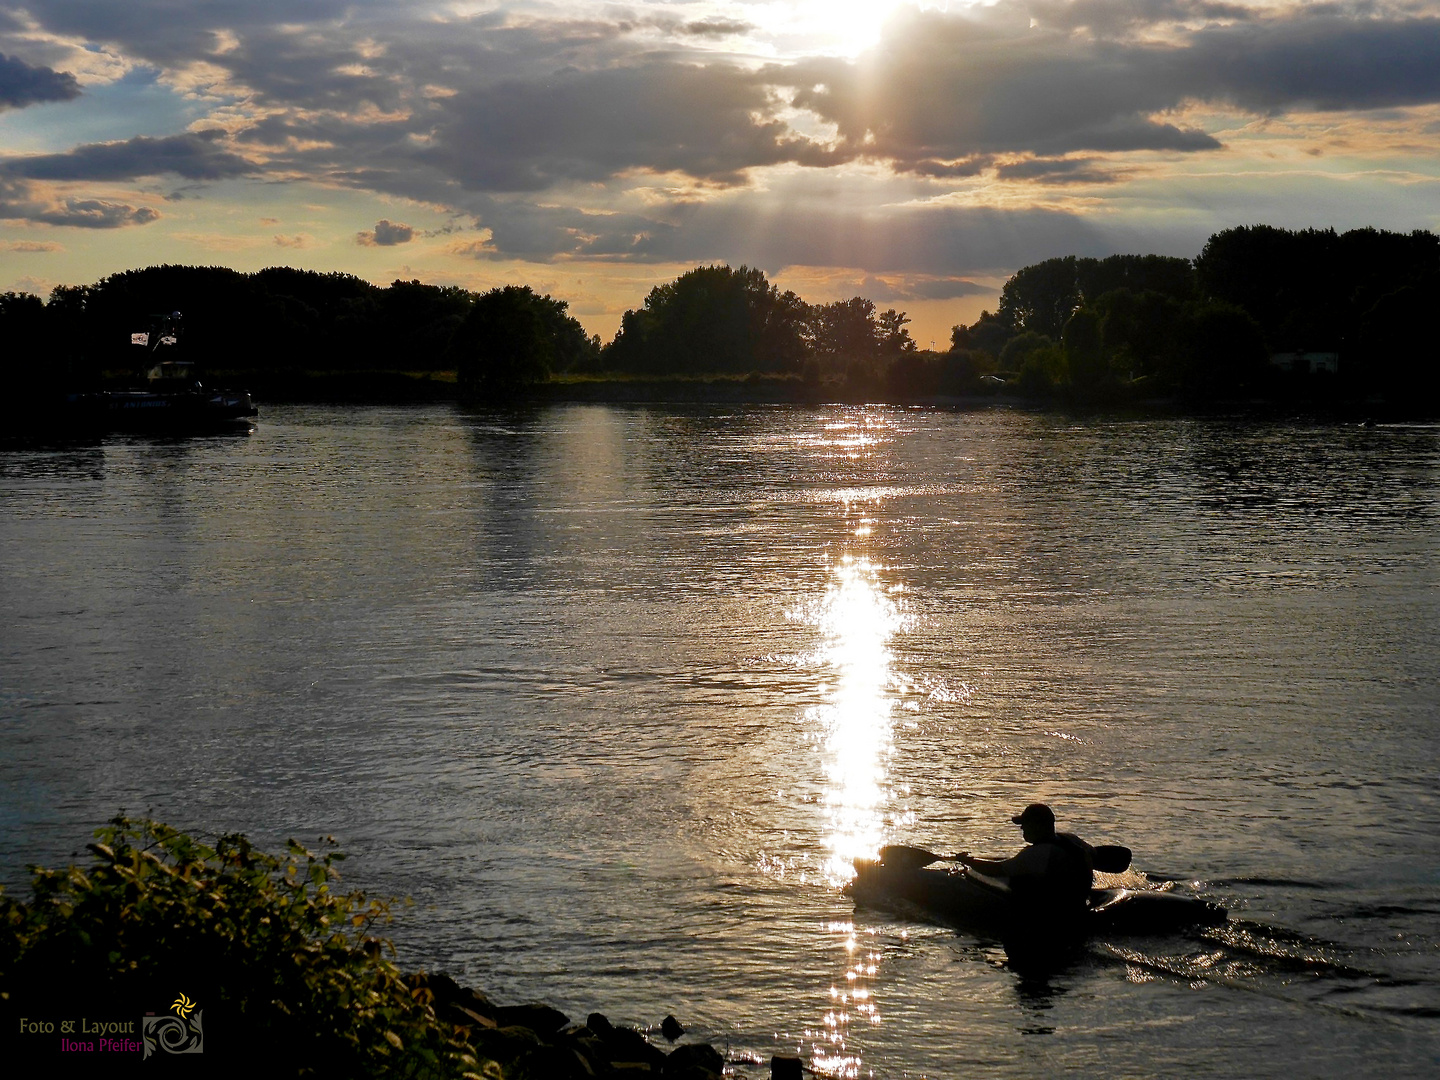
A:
x,y
985,866
1030,861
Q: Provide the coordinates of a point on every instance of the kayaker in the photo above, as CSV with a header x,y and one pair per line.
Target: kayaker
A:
x,y
1057,868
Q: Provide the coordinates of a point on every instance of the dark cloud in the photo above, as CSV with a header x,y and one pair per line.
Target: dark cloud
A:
x,y
917,243
888,290
19,201
24,200
1112,18
22,84
1058,171
386,234
944,170
1328,62
164,32
709,122
195,156
945,88
97,214
716,27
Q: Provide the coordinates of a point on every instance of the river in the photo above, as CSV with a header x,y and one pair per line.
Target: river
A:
x,y
616,694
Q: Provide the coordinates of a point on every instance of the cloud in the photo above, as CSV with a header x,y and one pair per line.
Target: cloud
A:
x,y
194,155
943,88
386,234
96,214
299,240
1058,171
907,287
431,105
709,122
1107,18
454,110
21,201
29,246
646,135
943,241
22,84
1324,61
716,27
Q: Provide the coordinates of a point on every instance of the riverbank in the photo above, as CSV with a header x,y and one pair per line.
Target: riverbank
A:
x,y
165,944
538,1041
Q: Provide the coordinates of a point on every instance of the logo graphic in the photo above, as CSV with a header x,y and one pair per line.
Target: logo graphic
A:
x,y
178,1034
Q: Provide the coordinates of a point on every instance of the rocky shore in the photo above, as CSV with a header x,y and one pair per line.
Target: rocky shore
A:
x,y
538,1042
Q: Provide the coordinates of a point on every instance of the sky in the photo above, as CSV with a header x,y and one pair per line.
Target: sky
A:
x,y
913,154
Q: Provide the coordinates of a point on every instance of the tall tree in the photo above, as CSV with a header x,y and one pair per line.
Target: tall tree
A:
x,y
847,330
1041,297
503,347
712,319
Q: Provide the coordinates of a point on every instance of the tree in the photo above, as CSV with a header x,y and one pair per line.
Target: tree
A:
x,y
503,346
893,337
1397,349
1041,297
987,334
1161,274
1222,352
847,330
26,361
712,319
914,374
1138,330
416,322
1087,367
1018,349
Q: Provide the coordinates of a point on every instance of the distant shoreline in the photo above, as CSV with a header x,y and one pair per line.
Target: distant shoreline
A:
x,y
407,388
411,388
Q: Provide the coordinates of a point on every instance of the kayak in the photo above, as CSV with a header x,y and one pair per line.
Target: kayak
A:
x,y
974,902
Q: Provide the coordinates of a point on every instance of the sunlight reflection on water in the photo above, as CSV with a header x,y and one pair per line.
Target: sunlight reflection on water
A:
x,y
856,723
857,617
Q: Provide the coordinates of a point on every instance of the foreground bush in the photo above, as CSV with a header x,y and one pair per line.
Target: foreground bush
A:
x,y
284,967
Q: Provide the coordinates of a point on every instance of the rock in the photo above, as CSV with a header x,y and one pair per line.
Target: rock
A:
x,y
536,1015
698,1061
600,1025
627,1044
442,988
476,1001
589,1046
671,1029
521,1052
785,1067
457,1013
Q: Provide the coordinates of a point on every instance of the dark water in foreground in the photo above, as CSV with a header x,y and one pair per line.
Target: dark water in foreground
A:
x,y
615,694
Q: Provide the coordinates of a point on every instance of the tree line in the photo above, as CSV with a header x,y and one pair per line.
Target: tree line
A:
x,y
279,321
1260,313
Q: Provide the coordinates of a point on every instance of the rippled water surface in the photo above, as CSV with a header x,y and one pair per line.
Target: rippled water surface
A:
x,y
617,694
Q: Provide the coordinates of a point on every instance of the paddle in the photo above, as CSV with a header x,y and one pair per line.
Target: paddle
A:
x,y
1108,858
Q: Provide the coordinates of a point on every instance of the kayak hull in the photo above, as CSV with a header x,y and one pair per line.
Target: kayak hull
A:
x,y
986,907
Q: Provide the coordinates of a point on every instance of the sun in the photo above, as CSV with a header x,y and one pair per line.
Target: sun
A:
x,y
833,27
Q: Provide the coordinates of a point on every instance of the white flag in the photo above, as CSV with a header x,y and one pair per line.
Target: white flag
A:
x,y
139,339
168,339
